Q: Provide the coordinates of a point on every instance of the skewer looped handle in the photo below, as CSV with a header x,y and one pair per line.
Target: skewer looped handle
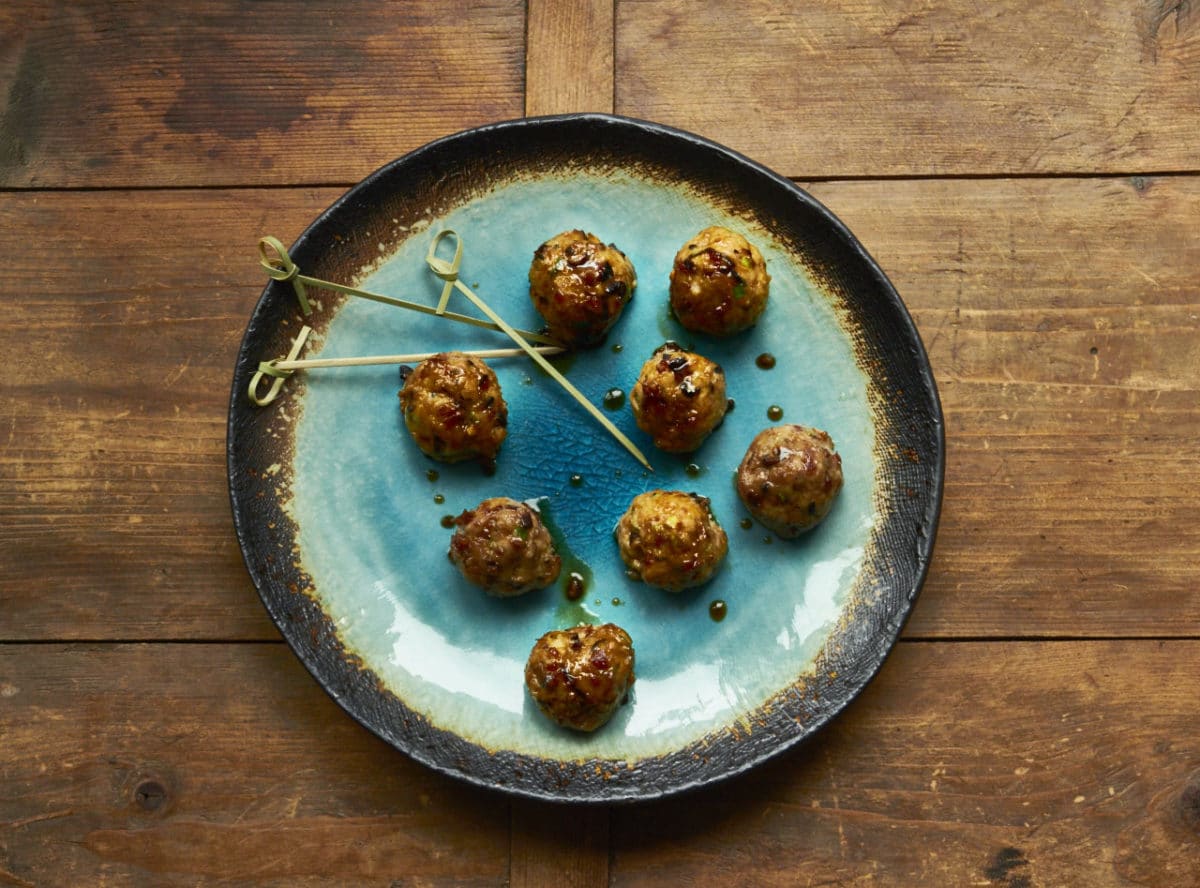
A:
x,y
268,368
447,271
273,257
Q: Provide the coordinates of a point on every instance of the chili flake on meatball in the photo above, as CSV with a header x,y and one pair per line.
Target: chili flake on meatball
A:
x,y
580,286
789,478
719,283
578,677
503,547
679,398
453,408
671,540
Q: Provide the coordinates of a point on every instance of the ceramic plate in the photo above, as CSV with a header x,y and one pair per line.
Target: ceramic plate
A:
x,y
340,518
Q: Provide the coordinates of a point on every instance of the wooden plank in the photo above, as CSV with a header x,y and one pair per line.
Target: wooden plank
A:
x,y
1060,318
224,93
119,353
553,845
1078,764
569,56
1064,509
121,768
859,88
990,764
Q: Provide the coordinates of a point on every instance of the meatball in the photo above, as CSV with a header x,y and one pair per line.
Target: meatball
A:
x,y
719,283
671,540
503,547
789,478
580,286
453,408
578,677
679,398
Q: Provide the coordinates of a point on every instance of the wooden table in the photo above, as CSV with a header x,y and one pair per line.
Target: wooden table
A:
x,y
1027,173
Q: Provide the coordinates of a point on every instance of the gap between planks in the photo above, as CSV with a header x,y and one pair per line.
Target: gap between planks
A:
x,y
802,181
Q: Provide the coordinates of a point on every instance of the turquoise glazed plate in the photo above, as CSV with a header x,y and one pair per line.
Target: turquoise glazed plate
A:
x,y
342,520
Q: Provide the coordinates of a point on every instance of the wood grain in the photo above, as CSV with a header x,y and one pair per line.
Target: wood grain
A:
x,y
231,93
1078,765
121,767
1064,515
569,57
858,88
555,845
994,764
119,354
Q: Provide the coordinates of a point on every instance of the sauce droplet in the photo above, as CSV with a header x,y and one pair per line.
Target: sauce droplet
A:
x,y
765,361
717,610
576,480
774,413
729,405
438,498
614,399
693,470
767,540
616,602
747,524
447,521
617,348
432,474
575,586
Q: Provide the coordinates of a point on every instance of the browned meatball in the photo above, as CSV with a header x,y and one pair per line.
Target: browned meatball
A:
x,y
671,540
789,478
580,286
453,408
679,398
719,283
578,677
503,547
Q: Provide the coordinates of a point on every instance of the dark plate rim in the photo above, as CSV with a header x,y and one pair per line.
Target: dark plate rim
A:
x,y
311,634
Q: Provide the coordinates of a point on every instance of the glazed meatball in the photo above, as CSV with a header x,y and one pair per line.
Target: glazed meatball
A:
x,y
679,398
671,540
789,478
719,283
503,547
578,677
580,286
453,408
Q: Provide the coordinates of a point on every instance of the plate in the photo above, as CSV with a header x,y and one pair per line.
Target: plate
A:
x,y
340,518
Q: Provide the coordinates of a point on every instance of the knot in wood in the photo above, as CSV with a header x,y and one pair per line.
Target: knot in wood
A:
x,y
150,795
1189,806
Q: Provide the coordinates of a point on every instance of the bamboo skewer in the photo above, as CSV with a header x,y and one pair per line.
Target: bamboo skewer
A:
x,y
280,267
449,272
315,363
282,368
274,257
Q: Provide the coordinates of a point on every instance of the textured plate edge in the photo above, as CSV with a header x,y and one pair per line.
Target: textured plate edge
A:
x,y
362,680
